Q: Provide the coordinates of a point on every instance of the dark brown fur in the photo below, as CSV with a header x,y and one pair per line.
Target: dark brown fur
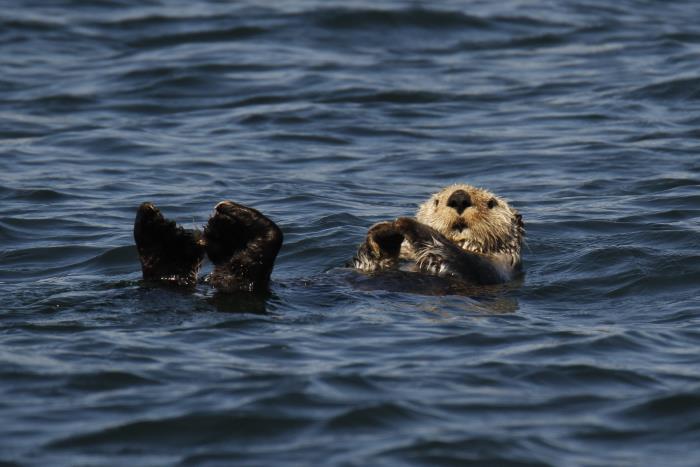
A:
x,y
168,253
243,244
240,241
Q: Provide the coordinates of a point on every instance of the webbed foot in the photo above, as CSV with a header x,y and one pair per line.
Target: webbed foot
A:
x,y
167,252
243,244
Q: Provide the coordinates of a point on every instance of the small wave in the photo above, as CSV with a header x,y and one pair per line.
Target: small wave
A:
x,y
665,183
117,256
49,261
374,416
321,139
145,73
149,21
486,449
67,327
18,134
267,118
262,100
663,135
220,35
667,276
354,383
38,194
538,40
574,346
529,41
7,233
608,434
34,227
71,102
529,21
589,225
416,18
30,25
679,88
613,255
253,307
686,201
680,411
190,429
41,255
482,341
683,37
582,375
183,85
393,97
107,381
99,3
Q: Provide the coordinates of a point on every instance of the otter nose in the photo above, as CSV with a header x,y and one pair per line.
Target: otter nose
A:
x,y
459,201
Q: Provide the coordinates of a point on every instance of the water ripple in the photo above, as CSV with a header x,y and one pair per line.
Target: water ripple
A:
x,y
583,114
233,33
418,18
193,428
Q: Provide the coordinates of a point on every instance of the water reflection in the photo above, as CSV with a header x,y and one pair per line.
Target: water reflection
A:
x,y
203,297
240,302
482,298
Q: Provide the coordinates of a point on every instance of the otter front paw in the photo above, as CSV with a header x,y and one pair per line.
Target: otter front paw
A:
x,y
435,254
243,244
381,248
167,252
415,232
430,248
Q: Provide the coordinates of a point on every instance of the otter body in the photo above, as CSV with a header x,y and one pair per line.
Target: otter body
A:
x,y
461,232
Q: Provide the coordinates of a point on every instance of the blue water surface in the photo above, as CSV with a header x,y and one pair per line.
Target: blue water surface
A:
x,y
328,117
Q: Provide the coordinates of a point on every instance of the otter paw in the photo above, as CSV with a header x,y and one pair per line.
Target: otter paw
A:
x,y
414,231
381,248
243,244
167,252
385,240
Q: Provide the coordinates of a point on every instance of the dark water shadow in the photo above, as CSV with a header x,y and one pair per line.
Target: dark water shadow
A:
x,y
240,302
492,298
149,285
497,298
236,302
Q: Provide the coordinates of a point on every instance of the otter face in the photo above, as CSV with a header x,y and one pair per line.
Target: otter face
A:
x,y
475,219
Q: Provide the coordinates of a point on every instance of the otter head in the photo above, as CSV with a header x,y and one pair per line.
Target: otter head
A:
x,y
476,220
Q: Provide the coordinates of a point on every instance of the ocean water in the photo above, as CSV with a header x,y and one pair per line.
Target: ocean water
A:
x,y
328,117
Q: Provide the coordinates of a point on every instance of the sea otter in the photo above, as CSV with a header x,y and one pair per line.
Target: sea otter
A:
x,y
240,241
461,232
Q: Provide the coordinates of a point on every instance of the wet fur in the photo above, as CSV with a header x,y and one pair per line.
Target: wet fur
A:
x,y
480,244
243,244
240,241
168,253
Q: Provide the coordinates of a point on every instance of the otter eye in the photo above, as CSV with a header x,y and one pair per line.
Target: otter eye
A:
x,y
492,203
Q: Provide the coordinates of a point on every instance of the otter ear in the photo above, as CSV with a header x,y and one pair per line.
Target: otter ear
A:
x,y
493,202
436,201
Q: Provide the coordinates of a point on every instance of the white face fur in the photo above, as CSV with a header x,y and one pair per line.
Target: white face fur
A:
x,y
475,219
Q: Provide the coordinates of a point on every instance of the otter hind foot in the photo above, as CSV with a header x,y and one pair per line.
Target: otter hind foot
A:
x,y
168,253
243,244
381,248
